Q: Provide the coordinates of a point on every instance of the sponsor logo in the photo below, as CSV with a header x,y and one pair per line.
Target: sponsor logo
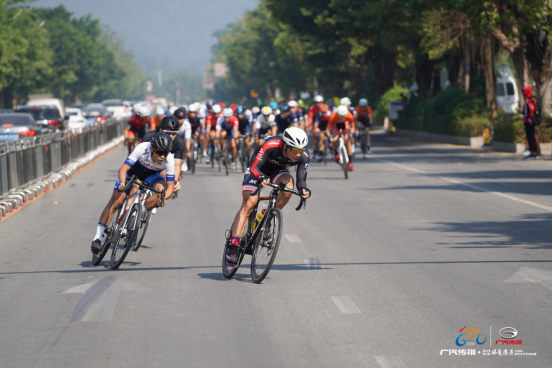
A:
x,y
253,181
470,336
508,334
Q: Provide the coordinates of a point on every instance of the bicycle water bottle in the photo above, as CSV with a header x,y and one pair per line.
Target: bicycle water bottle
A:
x,y
258,219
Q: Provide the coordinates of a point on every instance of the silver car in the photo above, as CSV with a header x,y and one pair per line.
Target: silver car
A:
x,y
14,126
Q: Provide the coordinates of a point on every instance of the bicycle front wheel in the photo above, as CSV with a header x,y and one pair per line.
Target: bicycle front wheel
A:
x,y
325,151
344,160
193,160
97,258
266,246
126,238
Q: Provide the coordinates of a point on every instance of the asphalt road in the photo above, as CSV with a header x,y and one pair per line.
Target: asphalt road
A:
x,y
383,269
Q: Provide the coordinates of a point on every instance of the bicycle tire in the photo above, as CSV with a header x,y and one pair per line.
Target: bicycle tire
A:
x,y
119,253
142,228
193,160
97,258
212,155
227,158
264,256
325,151
364,145
343,161
218,153
242,158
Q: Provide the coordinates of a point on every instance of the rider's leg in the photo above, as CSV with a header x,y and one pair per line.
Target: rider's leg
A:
x,y
233,147
241,218
130,141
321,141
284,197
368,138
151,201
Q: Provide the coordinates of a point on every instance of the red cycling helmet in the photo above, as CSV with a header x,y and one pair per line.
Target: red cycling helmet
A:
x,y
527,91
221,104
233,107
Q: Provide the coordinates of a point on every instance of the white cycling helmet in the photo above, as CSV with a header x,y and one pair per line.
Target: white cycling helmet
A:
x,y
141,110
345,101
160,111
295,137
172,110
255,110
318,99
292,104
363,102
216,109
342,110
228,112
194,107
267,110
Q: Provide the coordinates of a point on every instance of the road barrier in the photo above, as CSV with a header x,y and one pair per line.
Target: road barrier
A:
x,y
29,166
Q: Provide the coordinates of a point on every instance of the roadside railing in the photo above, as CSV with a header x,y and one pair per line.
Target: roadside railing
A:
x,y
26,162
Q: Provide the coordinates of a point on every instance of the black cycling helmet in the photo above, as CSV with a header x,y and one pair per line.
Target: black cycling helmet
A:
x,y
169,123
180,113
162,141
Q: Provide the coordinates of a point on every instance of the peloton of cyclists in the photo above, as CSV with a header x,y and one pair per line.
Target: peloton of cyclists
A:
x,y
341,121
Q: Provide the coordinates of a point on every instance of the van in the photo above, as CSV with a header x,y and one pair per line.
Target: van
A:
x,y
506,91
47,101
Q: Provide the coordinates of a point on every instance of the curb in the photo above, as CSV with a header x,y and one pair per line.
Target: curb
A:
x,y
13,203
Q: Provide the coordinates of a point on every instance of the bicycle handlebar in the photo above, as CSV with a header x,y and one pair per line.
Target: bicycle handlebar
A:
x,y
132,181
281,187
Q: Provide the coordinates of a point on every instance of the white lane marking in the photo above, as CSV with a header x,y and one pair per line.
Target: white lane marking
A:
x,y
346,305
478,188
99,298
390,362
528,275
293,238
313,263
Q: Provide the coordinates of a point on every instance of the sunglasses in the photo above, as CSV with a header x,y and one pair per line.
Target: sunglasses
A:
x,y
297,151
170,133
161,153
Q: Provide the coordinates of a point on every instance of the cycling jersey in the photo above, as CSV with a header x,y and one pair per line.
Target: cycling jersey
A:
x,y
269,160
142,165
185,130
297,115
138,125
363,113
223,125
263,124
322,122
154,122
245,125
211,122
335,125
195,123
178,144
314,110
283,123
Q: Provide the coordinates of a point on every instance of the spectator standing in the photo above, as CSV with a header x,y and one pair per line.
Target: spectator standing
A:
x,y
528,112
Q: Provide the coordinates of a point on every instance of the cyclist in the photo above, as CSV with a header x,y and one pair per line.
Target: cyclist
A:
x,y
196,123
146,162
185,132
268,163
265,125
137,125
296,113
342,120
211,128
227,126
354,134
170,125
245,126
365,119
285,119
274,106
319,129
318,107
155,120
256,110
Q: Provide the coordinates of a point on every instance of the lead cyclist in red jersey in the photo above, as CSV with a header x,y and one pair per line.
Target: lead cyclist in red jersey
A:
x,y
269,163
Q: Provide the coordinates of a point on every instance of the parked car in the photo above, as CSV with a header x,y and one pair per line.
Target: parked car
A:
x,y
506,93
47,116
14,126
76,119
118,109
96,113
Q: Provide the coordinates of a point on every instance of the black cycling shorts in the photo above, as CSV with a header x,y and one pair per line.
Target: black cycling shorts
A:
x,y
139,133
365,122
250,183
323,124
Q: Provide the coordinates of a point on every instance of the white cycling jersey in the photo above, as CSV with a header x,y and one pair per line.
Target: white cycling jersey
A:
x,y
185,130
142,165
263,123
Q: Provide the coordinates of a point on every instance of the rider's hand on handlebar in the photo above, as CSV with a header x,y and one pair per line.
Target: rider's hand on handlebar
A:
x,y
264,180
177,185
122,187
305,193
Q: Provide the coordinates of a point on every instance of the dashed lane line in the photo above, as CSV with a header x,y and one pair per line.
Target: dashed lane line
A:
x,y
346,305
390,362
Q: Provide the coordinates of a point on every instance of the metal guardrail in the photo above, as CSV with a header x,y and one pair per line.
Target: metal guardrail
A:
x,y
26,161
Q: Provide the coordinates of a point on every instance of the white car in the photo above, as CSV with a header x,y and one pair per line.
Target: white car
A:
x,y
76,120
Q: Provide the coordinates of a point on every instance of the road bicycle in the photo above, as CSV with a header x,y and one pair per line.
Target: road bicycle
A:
x,y
195,150
123,229
343,154
243,157
261,237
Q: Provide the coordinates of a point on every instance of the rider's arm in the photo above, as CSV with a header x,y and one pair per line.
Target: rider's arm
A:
x,y
301,173
123,173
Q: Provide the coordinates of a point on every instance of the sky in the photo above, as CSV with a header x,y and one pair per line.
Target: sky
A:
x,y
162,34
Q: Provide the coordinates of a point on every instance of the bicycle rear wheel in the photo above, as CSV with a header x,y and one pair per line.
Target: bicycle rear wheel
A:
x,y
142,228
218,154
125,238
364,145
212,155
325,151
242,158
227,158
344,160
266,246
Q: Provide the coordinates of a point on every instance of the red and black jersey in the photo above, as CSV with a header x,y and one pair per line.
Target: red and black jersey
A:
x,y
269,158
138,123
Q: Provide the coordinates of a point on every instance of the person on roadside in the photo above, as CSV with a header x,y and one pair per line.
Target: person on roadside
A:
x,y
528,112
